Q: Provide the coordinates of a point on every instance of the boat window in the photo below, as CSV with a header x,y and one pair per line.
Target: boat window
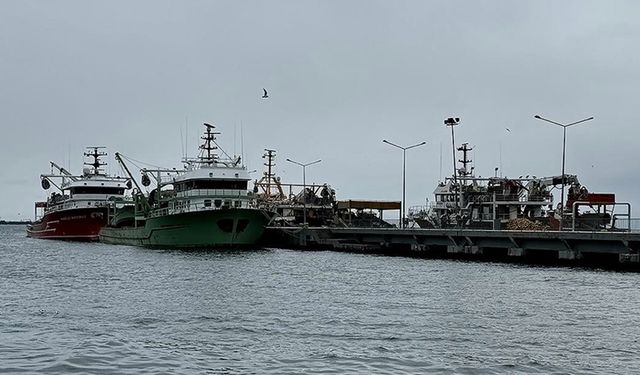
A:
x,y
215,184
238,204
207,202
217,203
96,190
227,204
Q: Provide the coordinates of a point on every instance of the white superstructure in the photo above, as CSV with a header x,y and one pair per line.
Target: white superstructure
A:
x,y
207,182
93,188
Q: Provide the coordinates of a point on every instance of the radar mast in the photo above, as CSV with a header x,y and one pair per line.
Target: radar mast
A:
x,y
95,153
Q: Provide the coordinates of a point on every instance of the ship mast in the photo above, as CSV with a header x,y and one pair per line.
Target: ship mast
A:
x,y
270,155
95,154
464,171
269,182
209,145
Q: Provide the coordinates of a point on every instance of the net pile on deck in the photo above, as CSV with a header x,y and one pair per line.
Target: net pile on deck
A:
x,y
525,224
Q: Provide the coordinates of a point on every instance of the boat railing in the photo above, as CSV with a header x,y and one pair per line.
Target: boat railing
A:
x,y
443,205
498,198
420,211
76,203
199,206
519,198
213,193
485,217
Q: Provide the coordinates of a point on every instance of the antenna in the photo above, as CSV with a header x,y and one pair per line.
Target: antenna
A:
x,y
69,157
186,136
500,147
241,142
182,143
473,162
440,177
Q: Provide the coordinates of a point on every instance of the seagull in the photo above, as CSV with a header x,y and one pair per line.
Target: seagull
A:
x,y
509,130
264,96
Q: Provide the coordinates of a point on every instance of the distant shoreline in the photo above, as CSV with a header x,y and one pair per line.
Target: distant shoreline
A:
x,y
15,222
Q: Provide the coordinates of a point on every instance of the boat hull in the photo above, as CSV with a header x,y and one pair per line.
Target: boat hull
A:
x,y
79,224
200,229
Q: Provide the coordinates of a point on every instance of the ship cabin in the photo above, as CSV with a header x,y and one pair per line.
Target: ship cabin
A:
x,y
481,201
88,191
445,196
210,188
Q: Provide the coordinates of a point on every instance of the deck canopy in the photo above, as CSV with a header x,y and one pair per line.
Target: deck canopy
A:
x,y
369,205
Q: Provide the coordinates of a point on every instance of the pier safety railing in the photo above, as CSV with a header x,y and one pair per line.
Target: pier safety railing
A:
x,y
633,224
614,219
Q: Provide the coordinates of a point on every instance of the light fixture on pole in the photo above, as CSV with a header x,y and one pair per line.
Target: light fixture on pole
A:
x,y
304,186
564,142
453,121
404,161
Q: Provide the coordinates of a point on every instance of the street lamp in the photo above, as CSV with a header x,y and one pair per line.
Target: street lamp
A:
x,y
453,121
304,187
564,142
404,161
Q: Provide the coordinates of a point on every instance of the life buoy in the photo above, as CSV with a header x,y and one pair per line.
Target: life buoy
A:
x,y
146,181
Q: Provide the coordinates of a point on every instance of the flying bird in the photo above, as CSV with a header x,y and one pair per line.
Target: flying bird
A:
x,y
264,96
509,130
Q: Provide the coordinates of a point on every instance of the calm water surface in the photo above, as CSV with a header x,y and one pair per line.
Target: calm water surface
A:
x,y
93,308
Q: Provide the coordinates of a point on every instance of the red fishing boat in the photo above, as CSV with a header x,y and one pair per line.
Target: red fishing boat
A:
x,y
79,207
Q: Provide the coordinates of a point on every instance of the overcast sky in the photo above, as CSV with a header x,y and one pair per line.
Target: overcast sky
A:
x,y
341,75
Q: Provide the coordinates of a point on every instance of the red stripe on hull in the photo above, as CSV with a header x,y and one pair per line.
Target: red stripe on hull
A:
x,y
82,224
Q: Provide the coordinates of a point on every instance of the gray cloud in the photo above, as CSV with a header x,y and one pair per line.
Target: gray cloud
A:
x,y
342,76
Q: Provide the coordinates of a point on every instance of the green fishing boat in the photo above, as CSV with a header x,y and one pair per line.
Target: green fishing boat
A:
x,y
207,204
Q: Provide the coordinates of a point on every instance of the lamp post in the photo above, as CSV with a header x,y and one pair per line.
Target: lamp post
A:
x,y
404,161
304,186
451,122
564,142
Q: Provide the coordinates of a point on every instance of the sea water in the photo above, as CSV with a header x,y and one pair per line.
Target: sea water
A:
x,y
94,308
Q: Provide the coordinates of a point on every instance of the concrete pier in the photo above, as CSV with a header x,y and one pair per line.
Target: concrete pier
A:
x,y
599,249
